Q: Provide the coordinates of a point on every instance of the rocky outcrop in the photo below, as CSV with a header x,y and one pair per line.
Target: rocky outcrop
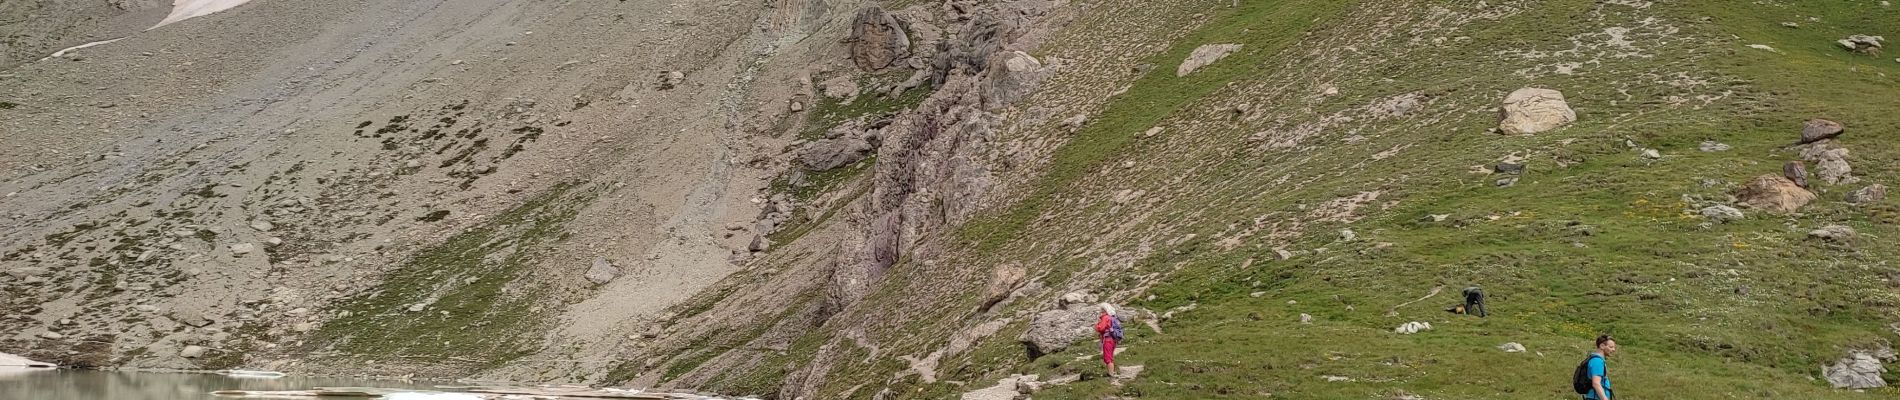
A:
x,y
1532,110
1860,369
1203,56
877,40
1863,44
1871,194
827,154
1004,280
1774,194
1013,76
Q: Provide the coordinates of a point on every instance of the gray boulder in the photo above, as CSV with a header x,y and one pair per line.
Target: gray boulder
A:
x,y
1013,76
1860,369
1533,110
1870,194
192,352
1833,233
1863,44
827,154
1721,214
1054,330
602,272
877,39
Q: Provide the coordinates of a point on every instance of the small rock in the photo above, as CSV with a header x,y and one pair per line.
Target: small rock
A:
x,y
456,62
1651,154
602,271
1306,318
1509,168
759,244
1511,347
1833,233
1871,194
192,352
1819,129
50,335
242,248
1347,235
262,225
1413,327
1721,213
1790,24
1711,146
1507,182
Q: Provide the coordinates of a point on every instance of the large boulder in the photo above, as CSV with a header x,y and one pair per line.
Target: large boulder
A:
x,y
1013,76
1532,110
1773,193
1860,369
1054,330
826,154
1203,56
877,39
1820,129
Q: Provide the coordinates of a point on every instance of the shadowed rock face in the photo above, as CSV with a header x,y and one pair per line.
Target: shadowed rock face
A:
x,y
877,40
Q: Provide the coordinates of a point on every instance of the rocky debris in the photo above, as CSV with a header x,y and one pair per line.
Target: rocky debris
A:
x,y
262,225
1721,213
839,87
1306,318
1820,129
827,154
242,248
1003,280
193,351
877,39
1412,327
1862,44
1829,161
1796,172
1833,233
1203,56
1013,76
1651,154
669,80
1532,110
192,319
1871,194
1511,347
602,272
1860,369
1509,168
1711,146
1773,194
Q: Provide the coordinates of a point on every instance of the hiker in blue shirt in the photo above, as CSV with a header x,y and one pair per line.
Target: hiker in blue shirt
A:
x,y
1599,370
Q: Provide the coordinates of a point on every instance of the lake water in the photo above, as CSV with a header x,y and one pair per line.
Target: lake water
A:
x,y
102,385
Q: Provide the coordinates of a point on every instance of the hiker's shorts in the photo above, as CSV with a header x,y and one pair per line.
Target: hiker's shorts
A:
x,y
1108,350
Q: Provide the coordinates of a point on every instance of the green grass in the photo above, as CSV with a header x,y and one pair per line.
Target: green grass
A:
x,y
482,309
1594,238
1645,268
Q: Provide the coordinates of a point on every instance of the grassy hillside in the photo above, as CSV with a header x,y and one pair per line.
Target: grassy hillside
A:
x,y
1593,238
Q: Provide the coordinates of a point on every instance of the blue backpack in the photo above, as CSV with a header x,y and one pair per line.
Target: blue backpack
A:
x,y
1115,328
